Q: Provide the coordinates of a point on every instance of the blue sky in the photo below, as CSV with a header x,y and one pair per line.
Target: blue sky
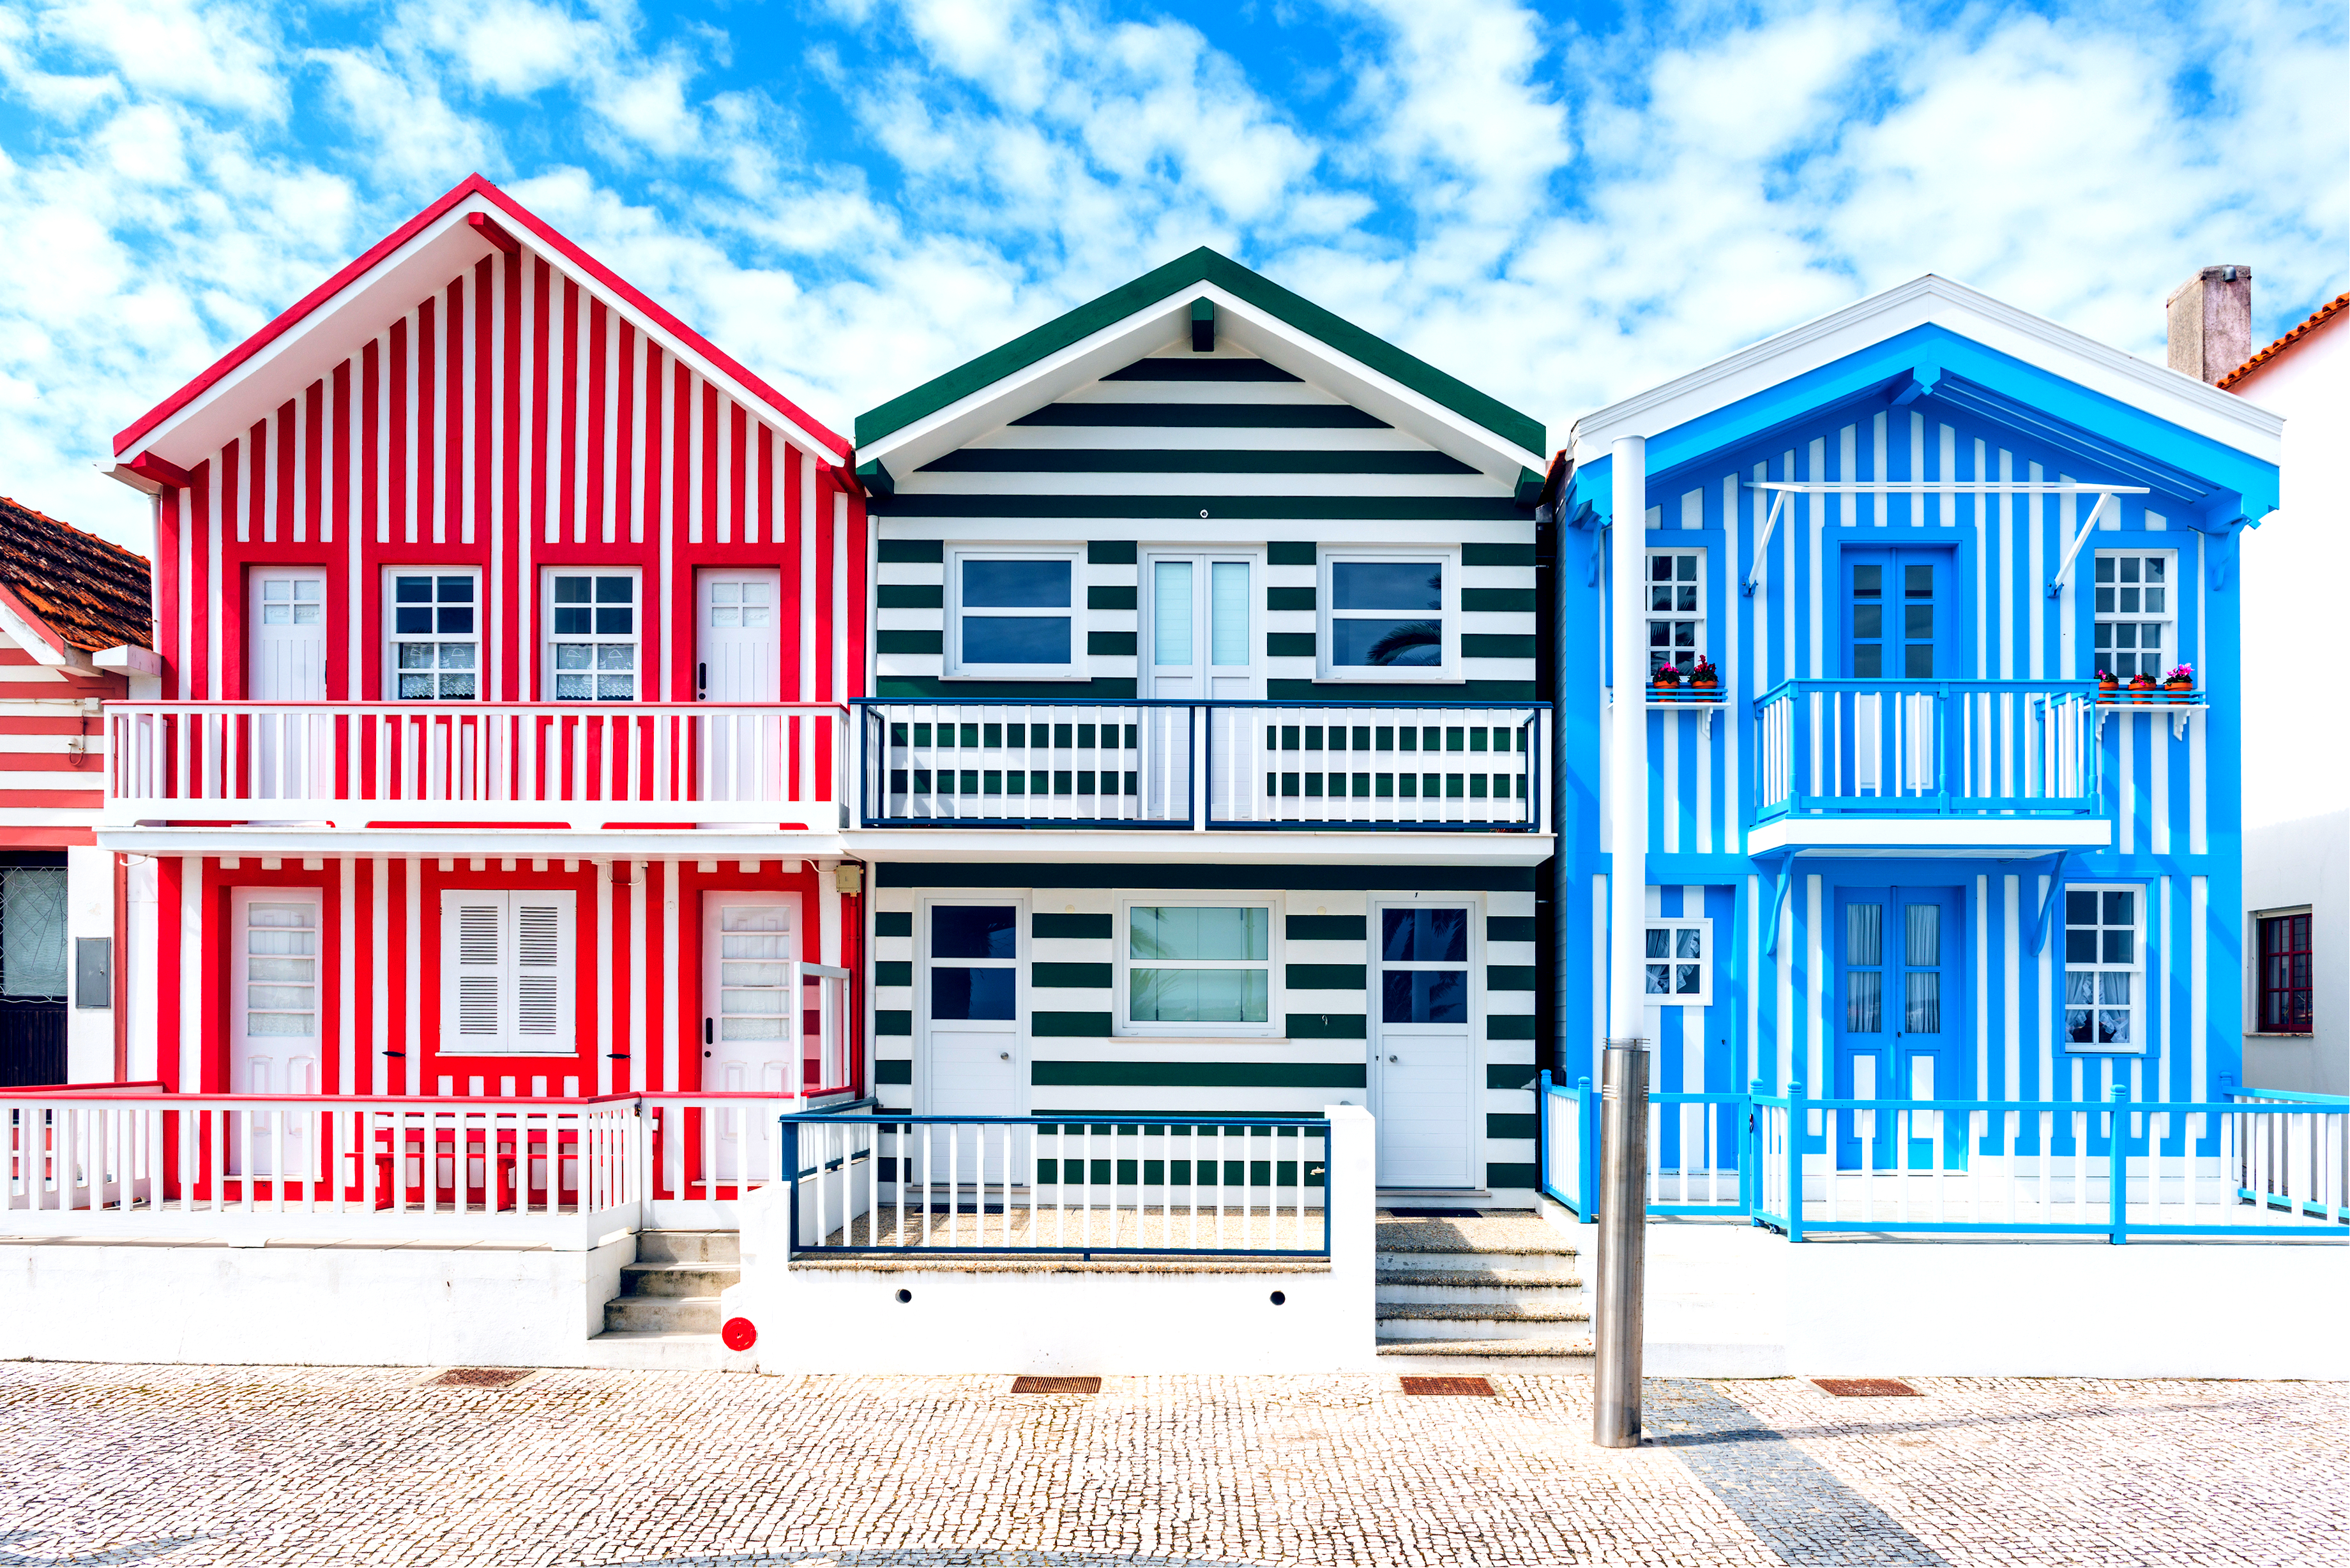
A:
x,y
1563,205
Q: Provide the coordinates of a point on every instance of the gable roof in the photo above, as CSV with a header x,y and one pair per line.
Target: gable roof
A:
x,y
93,595
2324,313
420,255
1149,312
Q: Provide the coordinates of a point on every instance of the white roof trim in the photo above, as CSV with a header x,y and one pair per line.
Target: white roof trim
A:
x,y
2179,398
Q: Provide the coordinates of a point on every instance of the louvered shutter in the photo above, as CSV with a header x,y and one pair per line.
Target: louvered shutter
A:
x,y
508,963
542,980
473,925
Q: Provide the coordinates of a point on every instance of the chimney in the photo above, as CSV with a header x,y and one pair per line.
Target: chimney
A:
x,y
2211,322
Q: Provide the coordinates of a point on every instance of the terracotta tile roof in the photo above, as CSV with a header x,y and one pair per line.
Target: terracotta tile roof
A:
x,y
93,592
2326,312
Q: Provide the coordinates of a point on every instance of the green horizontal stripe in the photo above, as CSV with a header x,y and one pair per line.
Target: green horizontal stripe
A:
x,y
1160,369
1291,552
898,1072
931,689
1116,642
1492,645
1325,977
1289,645
893,972
1327,928
1070,976
909,596
1500,1176
1510,1124
1365,692
1497,555
1327,1026
1509,977
1510,1026
911,552
1002,460
1508,927
1352,508
1092,928
892,1020
1204,416
893,923
1510,1074
1109,598
1197,1075
1335,878
1289,598
1068,1025
1497,599
909,642
1111,551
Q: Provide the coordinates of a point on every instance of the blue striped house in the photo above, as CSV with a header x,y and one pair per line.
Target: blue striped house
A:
x,y
1208,766
1906,842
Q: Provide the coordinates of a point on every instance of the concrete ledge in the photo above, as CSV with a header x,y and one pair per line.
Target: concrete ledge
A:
x,y
1014,1263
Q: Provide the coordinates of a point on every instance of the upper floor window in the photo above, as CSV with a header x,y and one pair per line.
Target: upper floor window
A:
x,y
2103,964
592,636
2285,974
1389,616
436,637
1676,608
2135,609
1012,613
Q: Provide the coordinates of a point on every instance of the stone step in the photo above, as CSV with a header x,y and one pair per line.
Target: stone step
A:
x,y
1560,1263
1476,1284
1413,1357
677,1279
694,1314
1523,1236
666,1350
1476,1320
689,1246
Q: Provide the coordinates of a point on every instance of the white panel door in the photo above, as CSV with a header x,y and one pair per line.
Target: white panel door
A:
x,y
1201,622
751,1020
974,1059
274,1025
1425,1062
285,644
738,658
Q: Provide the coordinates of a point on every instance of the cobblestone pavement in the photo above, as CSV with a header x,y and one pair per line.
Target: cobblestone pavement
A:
x,y
254,1465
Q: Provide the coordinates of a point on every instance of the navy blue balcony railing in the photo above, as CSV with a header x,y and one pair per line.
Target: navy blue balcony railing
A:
x,y
1371,766
1929,748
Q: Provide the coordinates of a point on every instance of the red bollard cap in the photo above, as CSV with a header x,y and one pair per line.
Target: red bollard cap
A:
x,y
739,1332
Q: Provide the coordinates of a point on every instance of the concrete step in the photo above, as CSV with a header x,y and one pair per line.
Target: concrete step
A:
x,y
677,1279
1561,1264
689,1246
1525,1241
629,1314
1520,1285
665,1350
1477,1320
1415,1357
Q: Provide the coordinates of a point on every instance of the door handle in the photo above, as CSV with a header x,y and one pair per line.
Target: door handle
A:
x,y
1395,1058
1003,1055
709,1034
702,682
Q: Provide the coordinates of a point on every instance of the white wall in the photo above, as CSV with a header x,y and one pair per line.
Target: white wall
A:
x,y
2292,865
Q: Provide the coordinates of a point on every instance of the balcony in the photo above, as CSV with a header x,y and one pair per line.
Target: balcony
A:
x,y
2001,764
1206,766
560,766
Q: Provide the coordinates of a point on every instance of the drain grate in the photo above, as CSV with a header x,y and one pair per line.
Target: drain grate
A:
x,y
1867,1387
1056,1386
480,1376
1477,1387
1437,1213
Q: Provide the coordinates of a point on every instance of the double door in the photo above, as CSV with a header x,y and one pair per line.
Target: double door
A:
x,y
1900,1008
1202,637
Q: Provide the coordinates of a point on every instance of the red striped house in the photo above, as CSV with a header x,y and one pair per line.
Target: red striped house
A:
x,y
497,752
73,629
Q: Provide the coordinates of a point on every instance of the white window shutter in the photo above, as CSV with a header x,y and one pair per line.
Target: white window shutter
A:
x,y
473,927
509,966
543,971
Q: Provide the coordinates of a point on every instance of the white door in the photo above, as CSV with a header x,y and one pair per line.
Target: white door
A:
x,y
1425,1065
285,641
275,1026
750,1029
974,1062
738,658
1202,642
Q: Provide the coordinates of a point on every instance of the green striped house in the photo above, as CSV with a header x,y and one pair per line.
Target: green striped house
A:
x,y
1204,772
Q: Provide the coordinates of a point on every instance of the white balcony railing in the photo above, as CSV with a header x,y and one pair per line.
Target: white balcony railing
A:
x,y
562,764
1935,748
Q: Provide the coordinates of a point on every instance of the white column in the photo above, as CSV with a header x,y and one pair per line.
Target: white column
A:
x,y
1627,760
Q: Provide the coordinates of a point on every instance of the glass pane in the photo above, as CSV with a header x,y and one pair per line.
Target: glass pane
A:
x,y
2114,1027
1688,941
2118,948
1922,1014
456,590
612,622
1868,620
1917,582
455,655
1864,1010
1868,582
1201,996
755,974
459,687
416,685
411,590
1043,584
975,931
287,997
616,656
2080,909
1170,613
2080,947
2080,987
572,590
769,1028
1686,981
1659,943
455,622
412,621
971,993
742,1001
1917,661
2113,987
1863,933
1386,585
1867,661
1228,613
2076,1025
1657,980
615,590
1389,643
281,969
1179,933
1424,936
279,1023
2121,908
1016,640
1925,922
1424,996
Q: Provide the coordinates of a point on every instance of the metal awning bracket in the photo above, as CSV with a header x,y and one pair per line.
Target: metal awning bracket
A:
x,y
1762,544
2065,568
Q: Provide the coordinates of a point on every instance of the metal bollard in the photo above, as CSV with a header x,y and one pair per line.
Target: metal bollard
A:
x,y
1623,1220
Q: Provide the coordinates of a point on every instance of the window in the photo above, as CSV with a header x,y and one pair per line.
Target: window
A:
x,y
1424,966
1389,617
293,601
1012,614
33,933
2103,966
279,991
2134,612
507,972
2285,974
592,636
1198,622
1193,968
1676,608
974,968
436,639
1892,612
1679,970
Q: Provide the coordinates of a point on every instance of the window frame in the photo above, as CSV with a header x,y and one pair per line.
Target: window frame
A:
x,y
1650,618
510,1039
1209,557
2173,652
1446,670
954,667
2259,990
1377,966
388,682
2137,1045
1703,996
1276,1023
548,638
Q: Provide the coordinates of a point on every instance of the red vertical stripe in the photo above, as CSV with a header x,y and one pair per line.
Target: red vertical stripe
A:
x,y
340,678
794,542
828,486
738,466
624,457
857,592
338,509
709,462
569,466
281,517
766,525
680,485
511,513
652,410
485,513
398,410
165,584
312,524
541,287
452,413
200,526
425,409
168,871
597,527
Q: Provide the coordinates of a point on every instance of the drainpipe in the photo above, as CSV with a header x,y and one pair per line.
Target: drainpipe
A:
x,y
1623,1197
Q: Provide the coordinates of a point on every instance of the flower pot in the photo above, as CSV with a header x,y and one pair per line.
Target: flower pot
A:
x,y
2142,688
2178,691
1704,683
1664,683
2108,690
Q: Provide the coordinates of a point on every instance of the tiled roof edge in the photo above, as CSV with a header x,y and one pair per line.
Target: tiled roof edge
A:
x,y
2318,317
